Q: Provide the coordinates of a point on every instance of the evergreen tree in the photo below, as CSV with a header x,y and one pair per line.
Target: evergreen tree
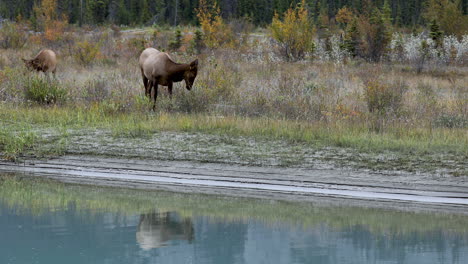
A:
x,y
177,42
387,13
451,15
435,32
351,41
123,16
381,35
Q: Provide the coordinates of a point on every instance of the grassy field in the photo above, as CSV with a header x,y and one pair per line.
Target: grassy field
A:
x,y
250,92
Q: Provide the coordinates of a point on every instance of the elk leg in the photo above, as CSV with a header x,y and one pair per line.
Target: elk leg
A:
x,y
149,89
155,86
169,88
146,85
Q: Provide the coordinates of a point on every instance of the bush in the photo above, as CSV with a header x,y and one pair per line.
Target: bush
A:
x,y
39,90
196,44
12,36
216,33
136,45
375,32
382,97
97,90
86,52
176,43
294,33
451,121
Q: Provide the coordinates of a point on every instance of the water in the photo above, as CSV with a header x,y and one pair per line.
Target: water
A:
x,y
47,222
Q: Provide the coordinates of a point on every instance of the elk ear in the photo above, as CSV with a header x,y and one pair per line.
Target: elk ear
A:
x,y
194,64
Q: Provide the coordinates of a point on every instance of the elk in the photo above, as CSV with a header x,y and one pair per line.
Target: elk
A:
x,y
160,69
45,61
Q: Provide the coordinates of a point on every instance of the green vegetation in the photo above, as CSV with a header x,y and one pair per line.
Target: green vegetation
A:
x,y
321,133
39,196
14,143
138,12
234,140
43,91
294,33
12,36
355,85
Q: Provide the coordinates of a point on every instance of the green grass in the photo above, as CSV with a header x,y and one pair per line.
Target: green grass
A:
x,y
15,142
38,196
20,123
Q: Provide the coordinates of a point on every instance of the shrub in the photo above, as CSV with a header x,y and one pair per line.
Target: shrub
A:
x,y
47,18
176,43
159,39
97,90
196,44
86,52
42,91
375,32
12,35
294,33
216,32
332,49
451,121
14,144
382,97
137,44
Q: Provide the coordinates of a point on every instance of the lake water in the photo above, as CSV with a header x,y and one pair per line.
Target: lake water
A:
x,y
48,223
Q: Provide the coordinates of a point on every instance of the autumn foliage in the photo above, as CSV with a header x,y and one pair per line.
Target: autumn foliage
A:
x,y
216,32
294,32
48,20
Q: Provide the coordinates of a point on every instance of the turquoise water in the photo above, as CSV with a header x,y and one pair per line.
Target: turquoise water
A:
x,y
37,228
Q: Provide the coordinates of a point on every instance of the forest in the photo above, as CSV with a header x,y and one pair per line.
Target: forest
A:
x,y
182,12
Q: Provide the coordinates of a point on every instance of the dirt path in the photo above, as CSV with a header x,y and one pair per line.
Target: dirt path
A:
x,y
346,187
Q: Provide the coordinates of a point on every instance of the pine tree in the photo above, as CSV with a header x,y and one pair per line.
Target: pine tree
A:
x,y
177,42
379,36
351,41
435,32
449,15
197,42
122,14
145,14
387,13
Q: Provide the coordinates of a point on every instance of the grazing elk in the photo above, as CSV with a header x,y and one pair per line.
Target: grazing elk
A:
x,y
160,69
45,61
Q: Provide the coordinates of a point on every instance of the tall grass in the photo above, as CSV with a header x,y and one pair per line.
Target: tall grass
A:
x,y
341,134
251,93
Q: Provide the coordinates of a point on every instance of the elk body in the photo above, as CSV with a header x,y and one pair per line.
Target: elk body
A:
x,y
45,61
143,56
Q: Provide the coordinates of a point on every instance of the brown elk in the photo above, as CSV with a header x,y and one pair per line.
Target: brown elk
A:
x,y
45,61
160,69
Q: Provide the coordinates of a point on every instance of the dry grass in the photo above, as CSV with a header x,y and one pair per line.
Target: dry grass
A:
x,y
254,83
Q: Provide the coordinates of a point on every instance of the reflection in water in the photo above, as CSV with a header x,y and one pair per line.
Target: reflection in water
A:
x,y
49,223
155,229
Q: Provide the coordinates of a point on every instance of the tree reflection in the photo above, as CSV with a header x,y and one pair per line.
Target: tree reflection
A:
x,y
156,229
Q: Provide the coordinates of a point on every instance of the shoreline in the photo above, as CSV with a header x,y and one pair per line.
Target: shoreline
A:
x,y
341,187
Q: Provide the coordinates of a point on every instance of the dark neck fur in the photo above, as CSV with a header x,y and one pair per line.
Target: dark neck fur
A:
x,y
176,71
